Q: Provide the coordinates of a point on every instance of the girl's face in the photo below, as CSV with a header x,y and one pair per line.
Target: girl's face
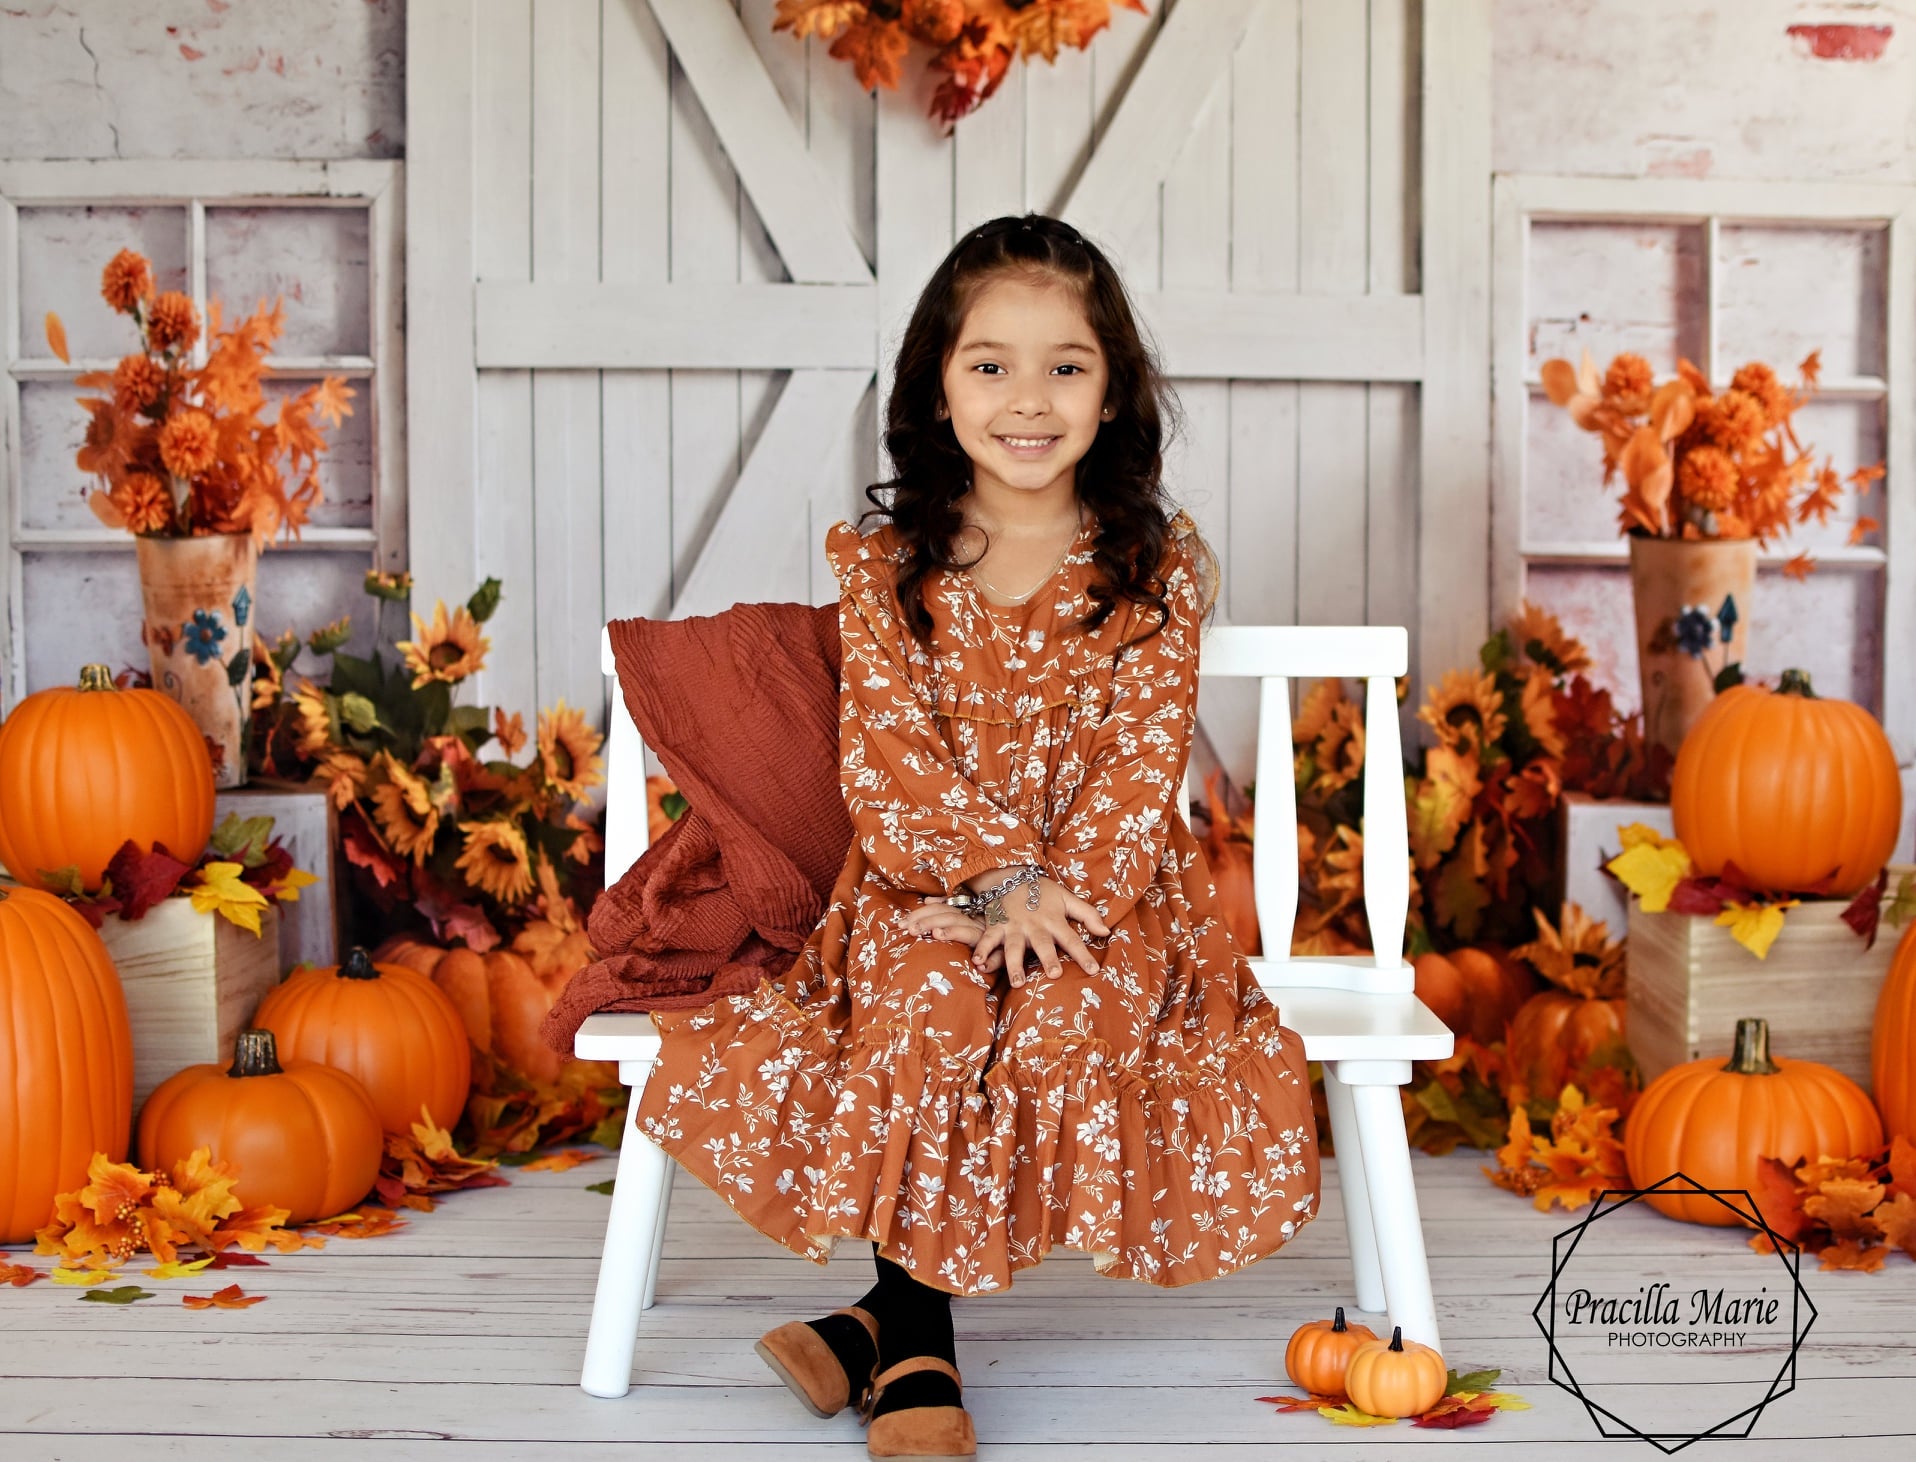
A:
x,y
1025,385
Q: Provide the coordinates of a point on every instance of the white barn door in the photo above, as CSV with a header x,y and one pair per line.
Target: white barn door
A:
x,y
660,255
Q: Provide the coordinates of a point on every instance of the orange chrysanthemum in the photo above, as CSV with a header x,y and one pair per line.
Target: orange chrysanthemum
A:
x,y
1707,477
1540,635
172,322
1464,710
402,806
1732,420
1628,382
566,751
126,280
144,502
138,381
1759,381
495,860
445,650
188,443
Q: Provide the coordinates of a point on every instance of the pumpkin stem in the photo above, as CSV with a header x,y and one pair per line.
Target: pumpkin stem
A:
x,y
1751,1054
255,1054
359,966
1338,1325
1397,1338
1795,682
96,677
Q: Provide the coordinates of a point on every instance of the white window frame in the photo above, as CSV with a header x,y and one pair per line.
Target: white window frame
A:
x,y
1520,199
195,186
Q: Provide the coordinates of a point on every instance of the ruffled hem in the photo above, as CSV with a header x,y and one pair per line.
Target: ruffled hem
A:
x,y
965,1175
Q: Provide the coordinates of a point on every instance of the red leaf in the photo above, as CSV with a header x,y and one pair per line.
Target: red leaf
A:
x,y
234,1259
1695,896
1779,1198
141,880
1451,1420
362,846
1865,911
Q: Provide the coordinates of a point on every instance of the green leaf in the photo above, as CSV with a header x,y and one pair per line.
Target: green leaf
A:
x,y
285,652
326,641
1475,1382
605,1187
484,601
358,712
470,722
63,881
1497,653
242,840
673,805
238,667
352,675
1731,674
1902,905
124,1294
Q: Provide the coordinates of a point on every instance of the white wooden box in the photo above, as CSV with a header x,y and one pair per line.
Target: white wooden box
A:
x,y
304,820
192,981
1689,982
1589,840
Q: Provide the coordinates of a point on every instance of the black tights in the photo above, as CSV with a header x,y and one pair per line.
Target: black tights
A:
x,y
913,1319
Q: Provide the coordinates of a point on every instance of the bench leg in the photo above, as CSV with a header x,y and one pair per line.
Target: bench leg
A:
x,y
658,1237
1393,1205
638,1212
1350,1177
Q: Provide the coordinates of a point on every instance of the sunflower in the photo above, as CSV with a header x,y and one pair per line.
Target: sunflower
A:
x,y
171,321
495,860
345,774
188,444
567,748
1540,711
1465,710
315,720
1540,635
402,807
445,651
126,280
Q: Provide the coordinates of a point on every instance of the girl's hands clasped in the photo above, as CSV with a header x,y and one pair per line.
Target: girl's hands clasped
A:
x,y
1038,921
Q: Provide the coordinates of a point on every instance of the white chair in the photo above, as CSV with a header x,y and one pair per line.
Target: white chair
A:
x,y
1356,1013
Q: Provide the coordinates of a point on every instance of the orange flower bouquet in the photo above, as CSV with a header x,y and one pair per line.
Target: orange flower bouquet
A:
x,y
179,449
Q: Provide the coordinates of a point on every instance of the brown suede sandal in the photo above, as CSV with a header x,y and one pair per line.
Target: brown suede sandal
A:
x,y
919,1433
800,1358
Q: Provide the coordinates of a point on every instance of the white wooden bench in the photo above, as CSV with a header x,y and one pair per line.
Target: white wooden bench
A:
x,y
1357,1013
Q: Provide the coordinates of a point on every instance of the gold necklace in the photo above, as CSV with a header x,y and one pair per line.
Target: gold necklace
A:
x,y
1011,601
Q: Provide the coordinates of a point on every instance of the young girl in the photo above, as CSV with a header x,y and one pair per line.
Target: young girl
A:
x,y
1021,1021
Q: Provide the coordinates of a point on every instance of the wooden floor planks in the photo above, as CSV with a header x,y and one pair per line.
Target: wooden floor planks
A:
x,y
462,1336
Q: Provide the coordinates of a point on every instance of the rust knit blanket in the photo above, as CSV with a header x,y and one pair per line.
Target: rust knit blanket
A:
x,y
742,709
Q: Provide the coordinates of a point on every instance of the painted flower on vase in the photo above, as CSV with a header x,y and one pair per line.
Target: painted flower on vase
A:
x,y
200,637
1694,630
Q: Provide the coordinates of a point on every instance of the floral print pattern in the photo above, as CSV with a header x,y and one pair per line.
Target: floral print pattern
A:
x,y
1155,1114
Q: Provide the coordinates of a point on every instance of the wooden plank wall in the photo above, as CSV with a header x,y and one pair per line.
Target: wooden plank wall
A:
x,y
596,159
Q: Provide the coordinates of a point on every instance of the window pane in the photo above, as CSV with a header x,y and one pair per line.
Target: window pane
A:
x,y
62,253
313,259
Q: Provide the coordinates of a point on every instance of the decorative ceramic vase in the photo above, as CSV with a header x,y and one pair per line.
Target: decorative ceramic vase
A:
x,y
1692,604
198,630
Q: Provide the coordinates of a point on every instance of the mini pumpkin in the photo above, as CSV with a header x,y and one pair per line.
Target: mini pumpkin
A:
x,y
1800,793
1320,1352
1395,1377
1711,1120
303,1136
84,770
1476,992
388,1025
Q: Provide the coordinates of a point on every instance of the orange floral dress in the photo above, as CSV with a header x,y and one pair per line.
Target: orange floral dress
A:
x,y
1155,1114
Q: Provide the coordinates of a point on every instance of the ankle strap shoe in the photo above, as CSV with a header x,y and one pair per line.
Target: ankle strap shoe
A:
x,y
919,1433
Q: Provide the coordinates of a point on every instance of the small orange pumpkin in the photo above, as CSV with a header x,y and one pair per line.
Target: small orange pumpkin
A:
x,y
1799,792
1320,1352
82,771
304,1137
1473,991
66,1057
388,1025
1892,1047
1712,1119
1395,1377
1577,1023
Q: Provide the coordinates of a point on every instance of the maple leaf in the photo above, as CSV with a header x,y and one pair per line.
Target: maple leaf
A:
x,y
1779,1198
1862,528
1864,912
1902,906
874,47
1902,1165
368,1221
19,1275
1755,926
1650,866
1849,1254
1310,1401
124,1294
178,1268
1444,1418
221,891
1349,1415
1799,568
1896,1217
64,1275
230,1298
141,879
329,400
818,17
286,889
251,1228
228,1259
1843,1206
559,1162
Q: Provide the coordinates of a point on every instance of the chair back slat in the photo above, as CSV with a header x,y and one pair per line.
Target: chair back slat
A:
x,y
1274,861
1386,825
627,826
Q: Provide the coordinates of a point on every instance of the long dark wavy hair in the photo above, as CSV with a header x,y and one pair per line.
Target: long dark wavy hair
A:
x,y
1120,479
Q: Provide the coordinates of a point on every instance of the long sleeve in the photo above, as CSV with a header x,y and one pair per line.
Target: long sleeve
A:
x,y
1112,838
921,824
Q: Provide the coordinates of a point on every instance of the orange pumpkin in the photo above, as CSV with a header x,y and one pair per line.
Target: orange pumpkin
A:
x,y
66,1057
1712,1119
1892,1048
82,771
1799,792
504,994
1395,1377
387,1025
1473,991
304,1137
1554,1038
1320,1352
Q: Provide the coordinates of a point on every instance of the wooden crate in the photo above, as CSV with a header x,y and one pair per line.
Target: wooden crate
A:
x,y
1587,839
304,820
192,981
1689,982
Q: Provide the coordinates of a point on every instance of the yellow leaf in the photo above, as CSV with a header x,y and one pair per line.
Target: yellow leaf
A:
x,y
287,890
220,891
1754,926
1639,834
1651,871
177,1269
1349,1415
80,1276
1504,1401
57,338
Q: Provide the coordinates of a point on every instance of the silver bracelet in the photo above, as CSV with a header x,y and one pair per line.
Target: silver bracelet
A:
x,y
1026,874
